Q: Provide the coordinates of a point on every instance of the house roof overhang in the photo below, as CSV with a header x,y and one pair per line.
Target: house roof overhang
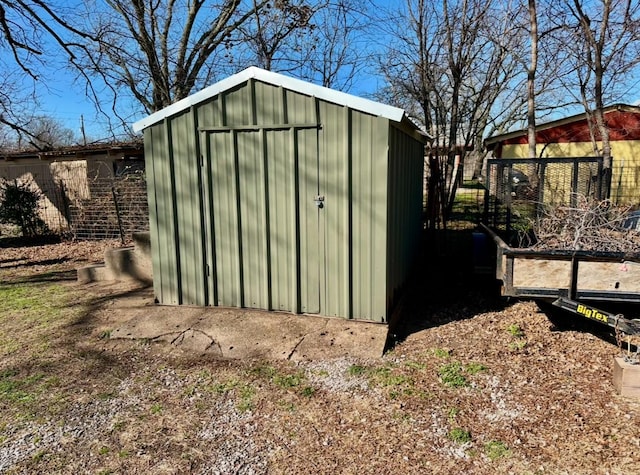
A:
x,y
509,137
120,150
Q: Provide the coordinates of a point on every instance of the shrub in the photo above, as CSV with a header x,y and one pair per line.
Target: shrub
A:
x,y
19,207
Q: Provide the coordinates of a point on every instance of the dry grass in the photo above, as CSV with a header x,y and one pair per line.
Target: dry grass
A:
x,y
472,387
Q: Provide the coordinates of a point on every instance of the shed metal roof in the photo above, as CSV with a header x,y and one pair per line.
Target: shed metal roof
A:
x,y
276,79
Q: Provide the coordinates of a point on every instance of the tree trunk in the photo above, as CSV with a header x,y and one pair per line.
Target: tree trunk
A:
x,y
531,79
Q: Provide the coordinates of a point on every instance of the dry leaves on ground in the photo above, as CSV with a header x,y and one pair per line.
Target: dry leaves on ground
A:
x,y
473,386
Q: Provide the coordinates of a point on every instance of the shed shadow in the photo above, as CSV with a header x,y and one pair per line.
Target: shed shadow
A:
x,y
444,287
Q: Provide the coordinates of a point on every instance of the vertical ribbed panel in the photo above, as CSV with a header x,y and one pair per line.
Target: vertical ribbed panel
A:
x,y
310,252
334,217
309,249
188,211
282,230
268,104
406,169
225,219
252,202
369,137
238,106
161,217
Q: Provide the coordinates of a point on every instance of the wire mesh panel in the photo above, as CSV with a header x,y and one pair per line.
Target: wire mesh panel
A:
x,y
519,190
625,182
115,208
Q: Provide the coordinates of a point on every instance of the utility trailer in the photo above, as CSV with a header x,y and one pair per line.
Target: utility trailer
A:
x,y
588,284
598,286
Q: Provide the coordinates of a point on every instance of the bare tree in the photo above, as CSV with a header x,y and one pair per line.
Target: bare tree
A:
x,y
47,133
455,65
317,40
31,33
276,30
337,50
531,78
37,132
158,51
599,41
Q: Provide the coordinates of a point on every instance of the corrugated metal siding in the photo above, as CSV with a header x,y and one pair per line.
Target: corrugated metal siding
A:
x,y
184,158
281,219
334,230
406,169
369,136
161,216
243,229
260,182
175,210
311,252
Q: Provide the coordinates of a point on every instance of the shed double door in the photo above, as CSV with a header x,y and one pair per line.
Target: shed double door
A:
x,y
263,212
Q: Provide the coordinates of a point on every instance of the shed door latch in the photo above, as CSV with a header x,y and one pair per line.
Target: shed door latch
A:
x,y
319,200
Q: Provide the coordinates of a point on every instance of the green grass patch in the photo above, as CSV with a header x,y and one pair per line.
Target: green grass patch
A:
x,y
386,376
459,435
356,370
31,313
283,379
391,377
475,368
496,449
441,352
287,381
308,391
415,365
455,374
518,334
515,330
452,375
20,390
244,392
42,302
225,387
518,345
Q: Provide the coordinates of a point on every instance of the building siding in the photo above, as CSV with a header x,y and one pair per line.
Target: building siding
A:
x,y
625,173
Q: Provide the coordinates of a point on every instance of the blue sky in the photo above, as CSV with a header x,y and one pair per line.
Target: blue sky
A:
x,y
64,99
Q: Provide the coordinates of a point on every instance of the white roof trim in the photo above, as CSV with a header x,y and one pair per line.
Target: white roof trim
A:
x,y
296,85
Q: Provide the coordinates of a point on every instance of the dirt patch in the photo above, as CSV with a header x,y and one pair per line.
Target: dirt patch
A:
x,y
473,385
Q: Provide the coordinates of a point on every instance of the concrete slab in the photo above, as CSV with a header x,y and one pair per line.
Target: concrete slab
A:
x,y
243,333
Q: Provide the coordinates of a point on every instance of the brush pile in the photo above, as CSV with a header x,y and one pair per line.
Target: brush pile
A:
x,y
596,226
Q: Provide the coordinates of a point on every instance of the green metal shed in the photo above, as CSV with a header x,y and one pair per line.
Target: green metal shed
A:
x,y
273,193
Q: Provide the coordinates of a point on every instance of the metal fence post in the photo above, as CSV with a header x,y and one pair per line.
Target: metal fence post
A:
x,y
118,217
